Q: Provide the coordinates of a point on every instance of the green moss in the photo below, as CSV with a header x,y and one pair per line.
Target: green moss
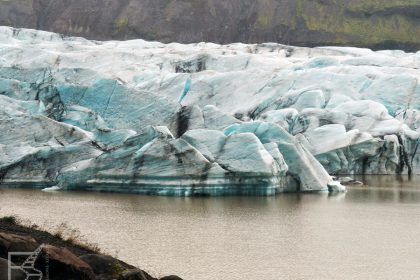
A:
x,y
263,22
9,219
267,16
117,270
121,24
380,5
334,18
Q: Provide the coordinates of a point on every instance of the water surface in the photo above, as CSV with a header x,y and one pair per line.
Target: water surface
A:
x,y
368,233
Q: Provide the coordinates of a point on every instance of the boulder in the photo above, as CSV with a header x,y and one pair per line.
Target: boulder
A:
x,y
171,277
63,264
104,265
16,243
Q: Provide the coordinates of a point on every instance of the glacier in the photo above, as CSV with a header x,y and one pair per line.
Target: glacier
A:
x,y
256,119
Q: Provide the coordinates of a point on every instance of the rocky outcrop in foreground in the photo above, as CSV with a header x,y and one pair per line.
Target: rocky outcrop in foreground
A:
x,y
380,24
202,119
59,259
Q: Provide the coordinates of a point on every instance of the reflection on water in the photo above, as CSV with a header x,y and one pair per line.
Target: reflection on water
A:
x,y
397,189
368,233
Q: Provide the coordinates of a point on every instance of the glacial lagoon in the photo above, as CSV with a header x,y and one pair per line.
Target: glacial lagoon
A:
x,y
370,232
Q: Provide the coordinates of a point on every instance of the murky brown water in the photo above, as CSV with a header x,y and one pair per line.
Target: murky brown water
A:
x,y
367,233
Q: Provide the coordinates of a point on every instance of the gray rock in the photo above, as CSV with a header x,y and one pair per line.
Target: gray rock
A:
x,y
16,243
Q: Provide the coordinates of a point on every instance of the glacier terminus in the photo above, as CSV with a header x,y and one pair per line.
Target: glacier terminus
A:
x,y
202,119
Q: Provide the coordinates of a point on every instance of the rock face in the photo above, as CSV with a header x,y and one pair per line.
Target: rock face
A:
x,y
255,120
63,264
16,243
395,24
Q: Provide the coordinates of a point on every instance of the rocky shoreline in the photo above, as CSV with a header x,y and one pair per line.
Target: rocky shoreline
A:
x,y
65,260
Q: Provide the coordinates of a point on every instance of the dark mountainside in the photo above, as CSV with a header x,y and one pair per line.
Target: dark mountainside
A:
x,y
378,24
